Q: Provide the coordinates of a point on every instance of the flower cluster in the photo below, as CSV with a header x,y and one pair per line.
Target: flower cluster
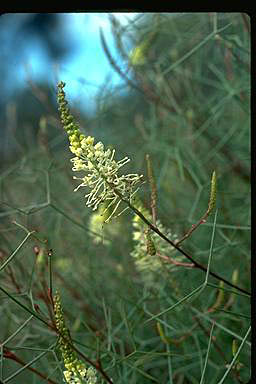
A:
x,y
150,246
76,371
100,168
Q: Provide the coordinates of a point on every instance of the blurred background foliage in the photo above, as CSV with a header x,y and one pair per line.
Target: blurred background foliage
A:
x,y
185,101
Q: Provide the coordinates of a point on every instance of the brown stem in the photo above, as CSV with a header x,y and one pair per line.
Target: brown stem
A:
x,y
10,355
193,227
171,261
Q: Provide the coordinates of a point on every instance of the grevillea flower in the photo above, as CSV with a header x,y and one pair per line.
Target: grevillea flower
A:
x,y
76,372
101,170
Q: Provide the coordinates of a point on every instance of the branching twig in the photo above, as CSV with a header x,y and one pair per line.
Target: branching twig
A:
x,y
172,261
211,206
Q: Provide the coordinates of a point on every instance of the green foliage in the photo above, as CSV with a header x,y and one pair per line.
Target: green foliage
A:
x,y
187,106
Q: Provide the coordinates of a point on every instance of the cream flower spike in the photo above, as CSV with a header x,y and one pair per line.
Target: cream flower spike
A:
x,y
100,168
75,371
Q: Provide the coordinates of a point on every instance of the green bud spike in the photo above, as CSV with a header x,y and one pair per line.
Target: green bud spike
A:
x,y
213,194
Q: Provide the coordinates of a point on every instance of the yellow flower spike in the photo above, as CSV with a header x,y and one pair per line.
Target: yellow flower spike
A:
x,y
76,370
102,171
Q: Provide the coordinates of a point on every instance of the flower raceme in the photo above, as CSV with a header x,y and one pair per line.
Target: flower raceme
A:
x,y
100,168
76,372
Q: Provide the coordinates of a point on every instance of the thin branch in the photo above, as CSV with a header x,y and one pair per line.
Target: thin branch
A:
x,y
115,66
10,355
172,261
211,206
153,188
